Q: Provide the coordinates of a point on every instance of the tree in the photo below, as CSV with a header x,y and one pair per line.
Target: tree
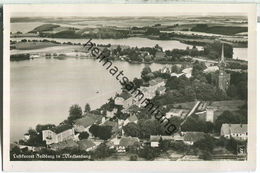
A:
x,y
207,144
205,155
102,151
145,71
87,108
149,153
138,82
102,132
165,144
75,112
179,146
133,158
132,129
83,135
230,117
150,127
35,138
193,123
198,68
40,128
175,69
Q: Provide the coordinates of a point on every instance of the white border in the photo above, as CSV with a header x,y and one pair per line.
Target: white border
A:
x,y
248,165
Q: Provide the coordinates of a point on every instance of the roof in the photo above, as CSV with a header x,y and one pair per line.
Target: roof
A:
x,y
128,141
167,137
194,136
176,111
133,108
64,144
61,128
133,118
155,138
234,128
161,88
159,54
112,124
85,144
125,95
155,81
88,120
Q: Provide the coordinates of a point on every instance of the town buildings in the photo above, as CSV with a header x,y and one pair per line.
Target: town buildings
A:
x,y
236,131
51,137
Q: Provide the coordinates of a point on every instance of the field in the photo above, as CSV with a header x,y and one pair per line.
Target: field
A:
x,y
33,45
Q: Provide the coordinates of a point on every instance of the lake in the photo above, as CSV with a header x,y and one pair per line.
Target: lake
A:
x,y
238,53
42,90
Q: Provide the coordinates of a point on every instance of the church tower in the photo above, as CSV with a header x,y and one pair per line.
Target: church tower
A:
x,y
223,77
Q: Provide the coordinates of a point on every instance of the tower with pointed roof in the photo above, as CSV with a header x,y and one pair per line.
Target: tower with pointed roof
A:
x,y
223,77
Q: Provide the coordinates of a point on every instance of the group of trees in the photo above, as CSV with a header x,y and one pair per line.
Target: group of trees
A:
x,y
193,123
213,50
238,85
177,54
102,151
238,117
145,128
225,30
149,153
75,112
102,132
19,57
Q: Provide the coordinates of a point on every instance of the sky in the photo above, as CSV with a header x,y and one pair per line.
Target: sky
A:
x,y
97,10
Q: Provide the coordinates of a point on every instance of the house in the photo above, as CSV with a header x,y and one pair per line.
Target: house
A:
x,y
131,119
23,147
191,137
177,75
210,113
236,131
155,140
64,144
156,83
87,145
55,137
133,110
176,113
119,101
187,72
165,70
161,90
148,92
178,137
111,114
124,99
126,142
159,55
83,124
26,136
112,124
113,142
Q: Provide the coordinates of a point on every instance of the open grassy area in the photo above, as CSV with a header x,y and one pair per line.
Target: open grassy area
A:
x,y
33,45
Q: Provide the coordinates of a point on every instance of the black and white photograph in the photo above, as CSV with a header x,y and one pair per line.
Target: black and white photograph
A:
x,y
95,83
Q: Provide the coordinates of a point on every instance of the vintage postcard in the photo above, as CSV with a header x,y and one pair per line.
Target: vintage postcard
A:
x,y
129,86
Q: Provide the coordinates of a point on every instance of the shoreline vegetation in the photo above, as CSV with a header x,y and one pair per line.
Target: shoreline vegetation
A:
x,y
134,55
